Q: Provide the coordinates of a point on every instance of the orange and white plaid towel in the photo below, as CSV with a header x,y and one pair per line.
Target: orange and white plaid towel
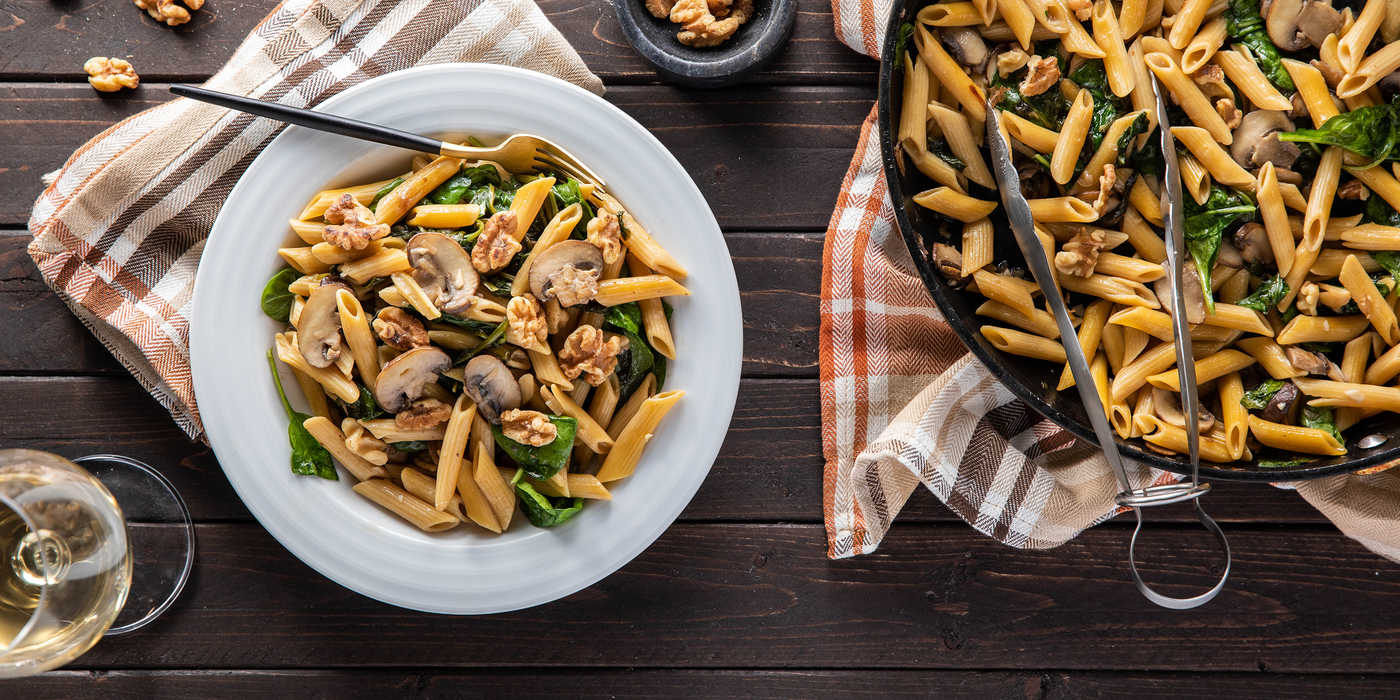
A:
x,y
119,232
904,402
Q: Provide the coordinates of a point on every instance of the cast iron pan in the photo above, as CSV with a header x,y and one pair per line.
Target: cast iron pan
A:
x,y
1034,381
751,48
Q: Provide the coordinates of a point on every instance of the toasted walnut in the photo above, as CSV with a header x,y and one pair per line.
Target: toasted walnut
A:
x,y
660,9
1230,113
526,323
1099,199
605,233
496,246
352,224
1353,189
1010,61
741,10
167,11
1044,72
1307,299
421,414
719,8
399,330
573,286
528,427
587,351
1081,254
110,74
701,29
1083,9
1211,80
364,443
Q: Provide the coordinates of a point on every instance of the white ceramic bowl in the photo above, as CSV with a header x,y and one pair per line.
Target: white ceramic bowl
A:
x,y
352,541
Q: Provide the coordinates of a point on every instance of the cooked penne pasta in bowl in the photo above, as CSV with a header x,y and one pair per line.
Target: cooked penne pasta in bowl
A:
x,y
455,387
1286,121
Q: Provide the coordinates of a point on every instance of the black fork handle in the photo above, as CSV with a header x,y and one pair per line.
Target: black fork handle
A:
x,y
319,121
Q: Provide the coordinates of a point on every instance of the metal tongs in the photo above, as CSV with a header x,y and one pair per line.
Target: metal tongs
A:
x,y
1019,212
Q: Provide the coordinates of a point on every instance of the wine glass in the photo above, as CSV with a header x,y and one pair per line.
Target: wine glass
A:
x,y
68,557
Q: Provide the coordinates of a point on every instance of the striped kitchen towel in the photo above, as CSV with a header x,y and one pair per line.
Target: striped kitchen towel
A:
x,y
119,232
904,403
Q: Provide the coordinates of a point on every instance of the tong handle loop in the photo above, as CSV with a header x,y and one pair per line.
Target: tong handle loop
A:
x,y
1168,601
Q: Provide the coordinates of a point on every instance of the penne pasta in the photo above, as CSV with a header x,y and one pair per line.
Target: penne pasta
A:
x,y
404,505
1187,95
627,289
330,437
622,460
1322,329
1295,438
1023,344
955,205
1369,299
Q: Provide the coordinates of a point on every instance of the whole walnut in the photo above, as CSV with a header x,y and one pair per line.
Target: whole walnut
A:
x,y
111,74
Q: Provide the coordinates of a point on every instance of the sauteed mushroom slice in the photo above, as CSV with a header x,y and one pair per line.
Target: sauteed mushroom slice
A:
x,y
1194,295
488,382
1167,404
318,327
1281,404
568,271
444,271
1256,141
1314,363
966,46
401,381
1252,240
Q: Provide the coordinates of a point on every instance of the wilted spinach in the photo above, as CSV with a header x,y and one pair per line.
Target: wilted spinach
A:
x,y
940,148
1245,26
393,184
901,40
1047,109
568,193
364,408
1257,399
309,457
1127,152
496,337
1321,418
1371,132
1379,211
1390,260
1280,463
1204,226
276,298
1267,296
1093,77
545,461
542,510
409,446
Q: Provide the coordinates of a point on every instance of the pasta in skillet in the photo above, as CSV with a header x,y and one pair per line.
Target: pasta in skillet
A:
x,y
470,340
1289,172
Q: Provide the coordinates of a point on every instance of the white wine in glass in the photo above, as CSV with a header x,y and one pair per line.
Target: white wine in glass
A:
x,y
65,561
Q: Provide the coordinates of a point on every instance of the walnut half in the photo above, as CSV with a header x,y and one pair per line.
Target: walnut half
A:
x,y
352,224
526,326
586,350
111,74
496,246
399,330
528,427
167,11
605,232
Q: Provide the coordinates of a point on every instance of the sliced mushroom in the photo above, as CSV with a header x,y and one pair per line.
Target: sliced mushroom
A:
x,y
1194,297
489,383
1282,24
1256,141
1229,255
1253,243
1167,404
966,46
401,381
1389,85
1035,183
581,255
444,271
947,261
1317,20
1314,363
318,327
1281,404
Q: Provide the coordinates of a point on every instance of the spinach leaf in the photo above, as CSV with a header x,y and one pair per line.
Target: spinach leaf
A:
x,y
658,368
1321,418
1148,159
666,309
1267,296
277,299
1206,224
309,457
1277,463
466,181
481,328
622,225
393,184
1379,211
901,40
1368,131
1047,109
1324,348
627,316
569,193
544,461
1126,149
495,338
1257,399
363,409
498,285
634,364
945,154
542,510
1245,26
1389,259
410,446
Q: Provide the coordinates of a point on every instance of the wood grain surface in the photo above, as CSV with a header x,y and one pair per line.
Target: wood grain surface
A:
x,y
737,599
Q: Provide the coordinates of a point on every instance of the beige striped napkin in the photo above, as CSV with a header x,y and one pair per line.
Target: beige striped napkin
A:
x,y
904,403
119,232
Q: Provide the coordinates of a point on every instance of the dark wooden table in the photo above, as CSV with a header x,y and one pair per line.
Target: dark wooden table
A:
x,y
738,597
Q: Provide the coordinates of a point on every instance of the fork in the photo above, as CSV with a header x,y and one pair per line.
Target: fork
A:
x,y
518,153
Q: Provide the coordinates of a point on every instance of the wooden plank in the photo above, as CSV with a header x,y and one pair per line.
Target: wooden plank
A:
x,y
57,38
769,469
1304,600
767,158
779,282
671,684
